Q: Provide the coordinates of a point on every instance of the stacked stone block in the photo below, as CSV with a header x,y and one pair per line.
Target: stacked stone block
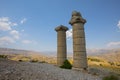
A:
x,y
61,44
79,46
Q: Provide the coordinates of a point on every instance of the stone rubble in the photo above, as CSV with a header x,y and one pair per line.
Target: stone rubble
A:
x,y
13,70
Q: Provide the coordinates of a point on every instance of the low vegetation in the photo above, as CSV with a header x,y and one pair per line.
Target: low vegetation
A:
x,y
110,77
42,62
20,60
66,65
95,59
3,56
34,60
95,62
105,66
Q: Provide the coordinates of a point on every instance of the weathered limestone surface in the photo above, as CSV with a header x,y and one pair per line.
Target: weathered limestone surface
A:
x,y
61,44
79,46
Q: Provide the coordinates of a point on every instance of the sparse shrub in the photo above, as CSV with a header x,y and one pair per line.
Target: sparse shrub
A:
x,y
95,59
66,65
111,77
33,60
101,65
88,58
3,56
94,74
20,60
42,62
111,63
117,64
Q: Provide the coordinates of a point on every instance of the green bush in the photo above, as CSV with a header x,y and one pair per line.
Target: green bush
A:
x,y
66,65
3,56
42,62
34,60
117,64
111,77
111,63
101,65
95,59
20,60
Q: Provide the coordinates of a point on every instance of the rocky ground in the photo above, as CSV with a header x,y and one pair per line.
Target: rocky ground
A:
x,y
13,70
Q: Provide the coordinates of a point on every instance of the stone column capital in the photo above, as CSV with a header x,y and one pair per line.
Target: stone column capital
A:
x,y
61,28
76,18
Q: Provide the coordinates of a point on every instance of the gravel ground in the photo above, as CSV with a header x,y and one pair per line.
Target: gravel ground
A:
x,y
12,70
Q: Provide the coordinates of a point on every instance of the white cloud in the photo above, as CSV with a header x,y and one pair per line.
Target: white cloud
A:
x,y
69,34
6,24
111,44
14,24
26,41
118,24
12,35
6,40
23,20
15,34
4,19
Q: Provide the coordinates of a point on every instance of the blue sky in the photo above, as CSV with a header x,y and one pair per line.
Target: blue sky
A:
x,y
29,24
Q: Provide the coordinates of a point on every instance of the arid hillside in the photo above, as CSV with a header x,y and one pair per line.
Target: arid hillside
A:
x,y
100,64
24,55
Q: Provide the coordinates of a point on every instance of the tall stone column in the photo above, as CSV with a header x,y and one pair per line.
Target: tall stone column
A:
x,y
79,45
61,44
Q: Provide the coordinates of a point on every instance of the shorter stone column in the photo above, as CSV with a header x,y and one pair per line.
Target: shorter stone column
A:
x,y
61,44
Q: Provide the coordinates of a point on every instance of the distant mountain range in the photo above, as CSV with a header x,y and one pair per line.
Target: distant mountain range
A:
x,y
101,51
90,52
25,55
112,55
8,51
